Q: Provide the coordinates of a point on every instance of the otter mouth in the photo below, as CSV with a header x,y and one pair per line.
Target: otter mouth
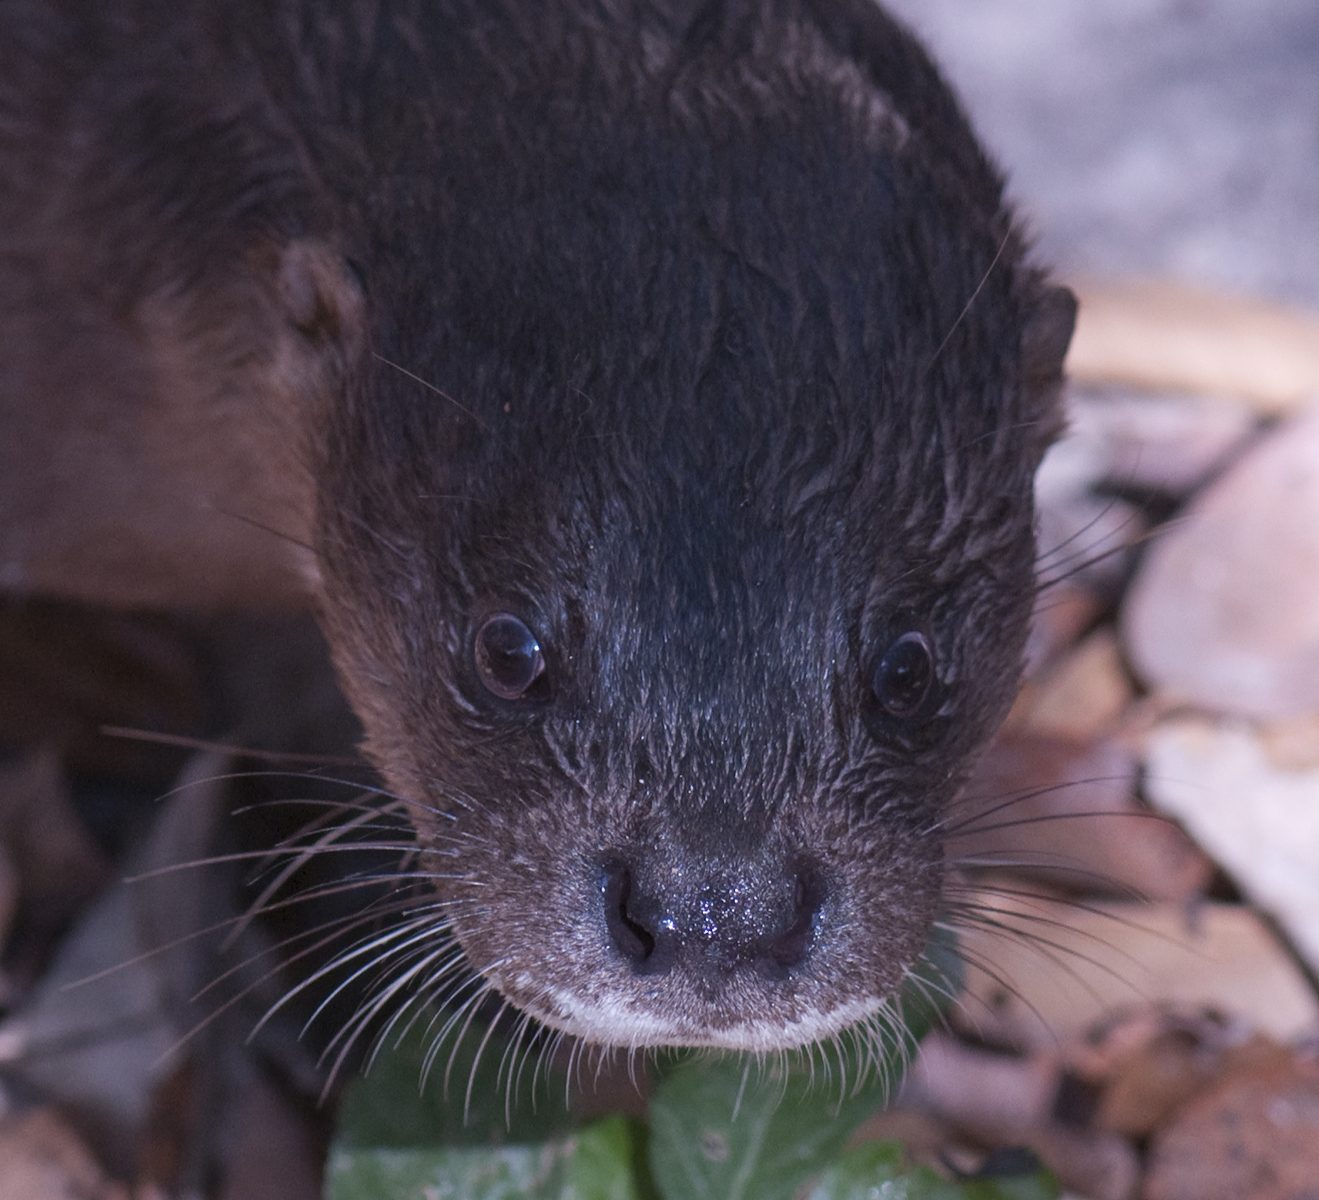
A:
x,y
632,1012
615,1022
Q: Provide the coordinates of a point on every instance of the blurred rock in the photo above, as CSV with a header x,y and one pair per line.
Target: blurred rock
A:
x,y
1223,612
1165,337
1082,696
1254,1136
41,1158
1157,442
1143,1065
1292,745
49,865
1259,821
1003,1100
1075,964
1166,138
1064,610
1065,812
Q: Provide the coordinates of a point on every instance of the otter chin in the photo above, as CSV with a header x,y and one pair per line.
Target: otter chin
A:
x,y
637,1026
645,398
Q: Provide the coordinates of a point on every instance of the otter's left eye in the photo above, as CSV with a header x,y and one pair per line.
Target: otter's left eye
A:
x,y
904,675
507,655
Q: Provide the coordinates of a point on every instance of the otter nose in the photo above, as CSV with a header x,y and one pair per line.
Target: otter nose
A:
x,y
711,919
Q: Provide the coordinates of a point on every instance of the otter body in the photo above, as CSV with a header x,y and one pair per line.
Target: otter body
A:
x,y
646,396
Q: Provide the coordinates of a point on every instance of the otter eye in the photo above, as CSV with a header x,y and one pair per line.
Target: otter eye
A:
x,y
904,675
508,657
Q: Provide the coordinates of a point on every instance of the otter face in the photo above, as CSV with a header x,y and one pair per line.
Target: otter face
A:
x,y
679,703
678,748
678,598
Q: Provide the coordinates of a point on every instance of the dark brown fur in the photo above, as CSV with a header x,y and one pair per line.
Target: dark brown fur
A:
x,y
697,336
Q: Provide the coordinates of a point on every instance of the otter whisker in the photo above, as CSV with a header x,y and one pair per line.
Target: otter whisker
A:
x,y
948,828
480,1051
417,936
220,926
1053,952
1004,241
1056,864
992,972
228,749
1077,564
1054,556
970,829
430,387
228,1004
348,1036
441,973
306,944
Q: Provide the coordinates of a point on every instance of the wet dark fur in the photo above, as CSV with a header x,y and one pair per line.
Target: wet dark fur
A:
x,y
721,366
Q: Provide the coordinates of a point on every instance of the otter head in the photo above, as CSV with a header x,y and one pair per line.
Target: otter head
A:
x,y
677,545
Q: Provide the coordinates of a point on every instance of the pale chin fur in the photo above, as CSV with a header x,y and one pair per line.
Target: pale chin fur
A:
x,y
615,1024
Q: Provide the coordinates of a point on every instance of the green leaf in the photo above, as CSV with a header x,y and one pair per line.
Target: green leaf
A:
x,y
876,1172
596,1163
731,1129
728,1128
464,1090
872,1172
606,1162
442,1174
1039,1186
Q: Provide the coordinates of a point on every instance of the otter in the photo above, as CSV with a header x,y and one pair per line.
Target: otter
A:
x,y
644,394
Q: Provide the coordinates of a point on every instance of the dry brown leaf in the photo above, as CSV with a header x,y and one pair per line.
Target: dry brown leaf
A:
x,y
1167,444
109,1018
57,865
1001,1100
1142,1065
277,1151
1252,1136
1222,613
1169,337
1065,812
42,1158
1082,696
1260,822
1088,962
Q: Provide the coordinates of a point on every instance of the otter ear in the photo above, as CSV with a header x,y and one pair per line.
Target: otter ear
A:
x,y
1048,333
319,292
1044,341
316,333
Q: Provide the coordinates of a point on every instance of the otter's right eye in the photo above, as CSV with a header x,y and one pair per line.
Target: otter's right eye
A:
x,y
508,657
904,676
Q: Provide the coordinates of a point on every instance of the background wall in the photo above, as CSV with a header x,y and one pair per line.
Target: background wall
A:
x,y
1162,137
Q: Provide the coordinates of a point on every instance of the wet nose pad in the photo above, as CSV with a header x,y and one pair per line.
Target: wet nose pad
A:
x,y
786,948
639,930
658,920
